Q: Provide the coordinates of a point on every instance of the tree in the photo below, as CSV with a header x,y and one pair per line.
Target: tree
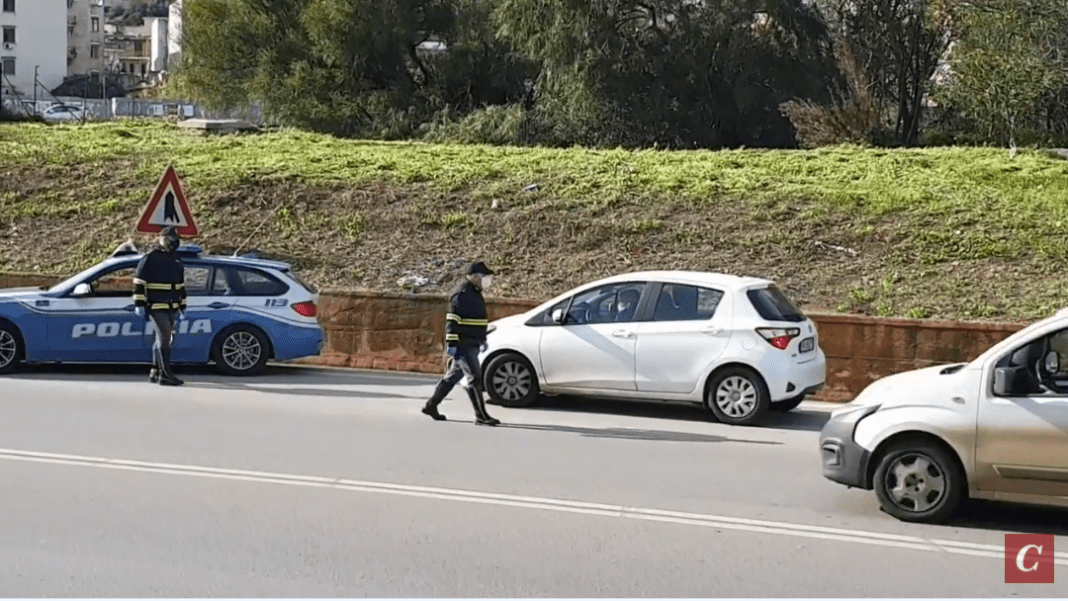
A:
x,y
674,73
351,67
898,45
1009,59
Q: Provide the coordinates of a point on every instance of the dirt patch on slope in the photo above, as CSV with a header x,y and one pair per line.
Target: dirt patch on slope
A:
x,y
409,238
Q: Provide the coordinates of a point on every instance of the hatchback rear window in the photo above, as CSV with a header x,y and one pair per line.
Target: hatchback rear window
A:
x,y
773,305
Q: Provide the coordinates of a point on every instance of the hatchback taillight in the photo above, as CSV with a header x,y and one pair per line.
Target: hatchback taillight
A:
x,y
779,337
307,309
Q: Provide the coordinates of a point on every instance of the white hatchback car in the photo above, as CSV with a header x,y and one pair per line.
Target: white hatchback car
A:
x,y
737,345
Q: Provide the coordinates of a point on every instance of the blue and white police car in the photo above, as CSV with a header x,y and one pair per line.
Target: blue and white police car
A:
x,y
241,312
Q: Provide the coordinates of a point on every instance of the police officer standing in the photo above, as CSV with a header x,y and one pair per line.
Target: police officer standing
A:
x,y
159,288
465,336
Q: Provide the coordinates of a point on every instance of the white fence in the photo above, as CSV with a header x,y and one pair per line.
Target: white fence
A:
x,y
97,108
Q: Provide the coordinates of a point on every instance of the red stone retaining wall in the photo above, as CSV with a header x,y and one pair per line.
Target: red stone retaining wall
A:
x,y
405,332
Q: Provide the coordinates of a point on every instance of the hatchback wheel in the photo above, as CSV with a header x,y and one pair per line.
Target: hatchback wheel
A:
x,y
738,396
241,351
920,481
10,348
511,381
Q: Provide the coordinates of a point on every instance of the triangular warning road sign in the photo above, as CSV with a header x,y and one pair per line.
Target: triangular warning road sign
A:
x,y
168,206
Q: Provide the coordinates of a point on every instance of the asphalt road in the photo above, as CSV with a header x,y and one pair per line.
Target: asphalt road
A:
x,y
324,483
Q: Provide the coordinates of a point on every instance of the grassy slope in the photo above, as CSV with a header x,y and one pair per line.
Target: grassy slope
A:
x,y
954,233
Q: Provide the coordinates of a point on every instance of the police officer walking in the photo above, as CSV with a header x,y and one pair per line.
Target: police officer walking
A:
x,y
465,336
159,288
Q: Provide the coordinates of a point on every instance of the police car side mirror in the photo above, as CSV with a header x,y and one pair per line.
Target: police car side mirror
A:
x,y
82,290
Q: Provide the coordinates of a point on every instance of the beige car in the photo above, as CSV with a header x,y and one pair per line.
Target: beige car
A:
x,y
996,428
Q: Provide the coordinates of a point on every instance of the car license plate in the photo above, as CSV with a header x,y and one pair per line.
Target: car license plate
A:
x,y
807,345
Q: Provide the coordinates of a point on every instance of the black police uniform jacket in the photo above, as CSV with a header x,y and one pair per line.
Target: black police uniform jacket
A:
x,y
159,282
465,323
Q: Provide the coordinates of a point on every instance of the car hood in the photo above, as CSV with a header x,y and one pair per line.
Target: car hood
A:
x,y
510,321
9,294
927,386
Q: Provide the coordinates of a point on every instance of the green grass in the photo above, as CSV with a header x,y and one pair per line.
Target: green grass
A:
x,y
918,210
972,188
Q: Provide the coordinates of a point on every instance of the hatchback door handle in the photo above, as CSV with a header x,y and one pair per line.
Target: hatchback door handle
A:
x,y
713,330
622,334
218,305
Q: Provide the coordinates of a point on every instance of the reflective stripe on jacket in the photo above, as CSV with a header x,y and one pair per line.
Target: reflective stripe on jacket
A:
x,y
465,322
159,282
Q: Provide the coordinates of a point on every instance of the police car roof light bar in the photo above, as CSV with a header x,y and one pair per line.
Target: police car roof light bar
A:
x,y
190,249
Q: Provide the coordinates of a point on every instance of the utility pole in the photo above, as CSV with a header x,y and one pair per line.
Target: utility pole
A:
x,y
35,69
104,75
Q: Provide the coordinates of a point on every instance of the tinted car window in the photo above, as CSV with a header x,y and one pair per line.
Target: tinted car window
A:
x,y
259,284
682,302
197,280
219,285
114,283
246,282
302,282
773,305
611,303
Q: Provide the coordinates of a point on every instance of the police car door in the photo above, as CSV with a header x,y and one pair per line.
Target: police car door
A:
x,y
95,321
207,312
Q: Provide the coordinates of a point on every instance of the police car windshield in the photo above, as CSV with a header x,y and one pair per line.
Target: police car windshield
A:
x,y
67,283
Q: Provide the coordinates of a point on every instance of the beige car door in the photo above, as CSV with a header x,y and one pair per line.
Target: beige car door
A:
x,y
1022,433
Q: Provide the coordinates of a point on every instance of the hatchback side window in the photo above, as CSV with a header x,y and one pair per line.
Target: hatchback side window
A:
x,y
605,304
682,302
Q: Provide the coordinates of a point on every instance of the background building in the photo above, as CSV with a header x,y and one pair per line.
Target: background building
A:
x,y
135,41
34,40
34,36
85,37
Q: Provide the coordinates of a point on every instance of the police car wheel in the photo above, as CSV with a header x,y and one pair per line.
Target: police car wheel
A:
x,y
10,348
511,381
241,351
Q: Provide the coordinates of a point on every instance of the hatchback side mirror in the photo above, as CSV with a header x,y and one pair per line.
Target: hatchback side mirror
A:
x,y
557,316
82,290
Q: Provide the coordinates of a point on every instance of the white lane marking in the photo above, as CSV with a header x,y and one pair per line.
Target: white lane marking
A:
x,y
581,507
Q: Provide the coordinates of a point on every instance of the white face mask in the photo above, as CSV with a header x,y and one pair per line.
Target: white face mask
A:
x,y
486,281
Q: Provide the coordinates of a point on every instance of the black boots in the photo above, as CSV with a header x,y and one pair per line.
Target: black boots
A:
x,y
432,411
431,407
161,372
164,377
482,418
170,380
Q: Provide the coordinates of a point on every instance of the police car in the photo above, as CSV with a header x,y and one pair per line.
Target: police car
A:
x,y
242,311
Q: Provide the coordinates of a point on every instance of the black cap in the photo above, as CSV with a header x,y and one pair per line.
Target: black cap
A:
x,y
478,268
169,232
